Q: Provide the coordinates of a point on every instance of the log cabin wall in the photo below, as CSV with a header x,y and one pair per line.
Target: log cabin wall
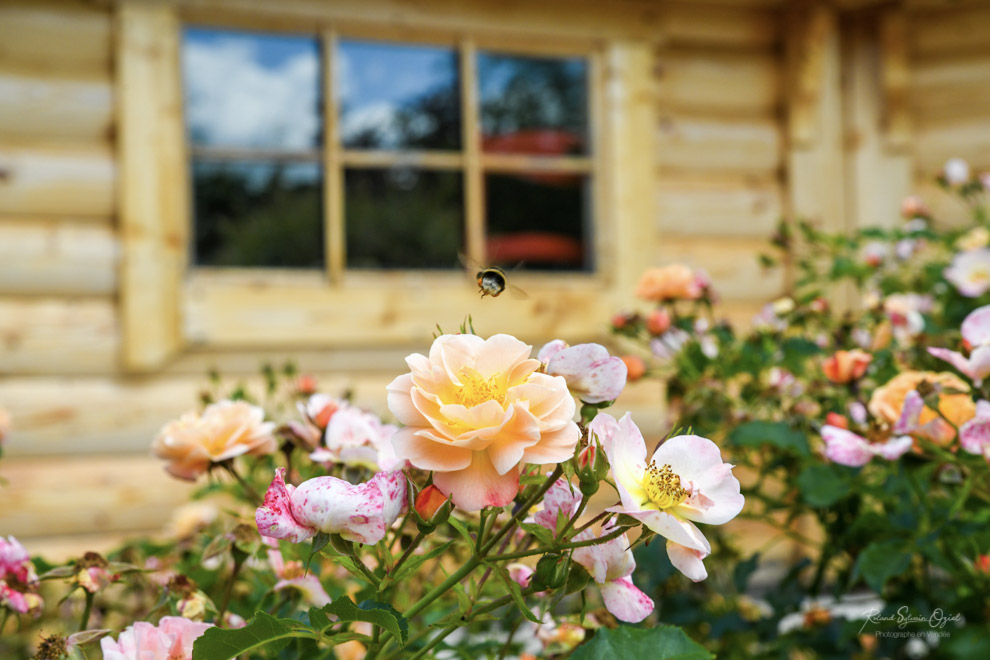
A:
x,y
754,111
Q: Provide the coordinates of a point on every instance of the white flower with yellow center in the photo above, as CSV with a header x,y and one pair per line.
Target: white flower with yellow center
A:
x,y
685,482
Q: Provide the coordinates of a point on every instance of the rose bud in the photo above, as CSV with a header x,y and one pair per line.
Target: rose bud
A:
x,y
982,563
306,384
428,502
635,367
658,322
835,419
846,366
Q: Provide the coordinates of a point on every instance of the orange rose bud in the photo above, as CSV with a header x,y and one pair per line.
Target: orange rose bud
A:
x,y
658,322
846,366
635,367
306,384
429,500
835,419
620,321
982,563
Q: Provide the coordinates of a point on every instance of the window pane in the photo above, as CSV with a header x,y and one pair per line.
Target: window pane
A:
x,y
540,220
251,90
258,214
403,218
533,105
398,96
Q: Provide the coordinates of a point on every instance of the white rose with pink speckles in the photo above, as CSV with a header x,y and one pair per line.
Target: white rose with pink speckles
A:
x,y
591,373
610,565
358,513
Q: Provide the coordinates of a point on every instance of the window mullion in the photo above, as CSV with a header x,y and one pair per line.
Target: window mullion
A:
x,y
474,192
333,175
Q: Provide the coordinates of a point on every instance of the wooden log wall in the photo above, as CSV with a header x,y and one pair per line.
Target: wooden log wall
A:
x,y
719,146
725,170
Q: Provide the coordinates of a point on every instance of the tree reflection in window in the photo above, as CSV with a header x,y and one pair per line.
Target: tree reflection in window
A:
x,y
533,105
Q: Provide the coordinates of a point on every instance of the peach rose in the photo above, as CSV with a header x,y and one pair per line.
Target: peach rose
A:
x,y
474,411
672,282
846,366
887,402
224,430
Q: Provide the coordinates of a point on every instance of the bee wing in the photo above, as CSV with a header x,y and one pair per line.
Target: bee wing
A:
x,y
516,291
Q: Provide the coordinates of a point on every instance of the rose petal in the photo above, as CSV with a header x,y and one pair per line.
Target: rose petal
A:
x,y
274,517
429,454
479,485
976,327
625,601
335,506
687,561
845,448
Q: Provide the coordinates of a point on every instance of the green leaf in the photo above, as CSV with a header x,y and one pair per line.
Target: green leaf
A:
x,y
515,592
461,529
778,434
379,614
262,630
660,643
881,561
319,542
542,534
823,485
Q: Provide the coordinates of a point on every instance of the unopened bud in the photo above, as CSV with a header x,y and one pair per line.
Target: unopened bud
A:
x,y
432,508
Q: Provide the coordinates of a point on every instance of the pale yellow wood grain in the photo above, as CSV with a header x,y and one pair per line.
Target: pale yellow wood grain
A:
x,y
55,108
51,257
55,39
56,180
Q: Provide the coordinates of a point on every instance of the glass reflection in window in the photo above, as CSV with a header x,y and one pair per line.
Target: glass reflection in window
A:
x,y
540,220
533,105
248,90
258,214
403,218
397,96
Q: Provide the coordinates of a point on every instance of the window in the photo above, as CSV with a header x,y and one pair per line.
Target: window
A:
x,y
420,154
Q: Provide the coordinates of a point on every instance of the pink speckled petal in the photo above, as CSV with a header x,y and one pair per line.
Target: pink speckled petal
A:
x,y
688,561
274,517
625,601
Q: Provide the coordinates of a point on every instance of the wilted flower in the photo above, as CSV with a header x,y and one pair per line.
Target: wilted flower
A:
x,y
224,430
956,171
846,366
93,573
475,410
674,282
610,565
685,481
359,513
970,272
847,448
887,402
171,639
974,435
592,374
18,579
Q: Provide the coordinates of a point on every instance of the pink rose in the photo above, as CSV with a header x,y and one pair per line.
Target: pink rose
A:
x,y
171,639
591,373
359,513
610,565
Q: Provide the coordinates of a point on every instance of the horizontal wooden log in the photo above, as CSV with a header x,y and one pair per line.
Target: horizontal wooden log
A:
x,y
939,141
730,262
951,88
57,336
55,109
693,145
708,81
87,494
950,29
727,27
701,205
399,308
45,257
59,416
57,39
56,181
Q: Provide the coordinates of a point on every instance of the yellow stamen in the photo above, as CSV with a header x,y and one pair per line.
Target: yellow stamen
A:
x,y
477,390
663,487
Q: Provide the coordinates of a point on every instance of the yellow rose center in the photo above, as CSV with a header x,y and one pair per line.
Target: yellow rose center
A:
x,y
663,487
477,390
979,275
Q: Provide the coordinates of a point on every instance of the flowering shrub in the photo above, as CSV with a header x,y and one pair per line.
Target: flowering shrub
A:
x,y
379,540
860,431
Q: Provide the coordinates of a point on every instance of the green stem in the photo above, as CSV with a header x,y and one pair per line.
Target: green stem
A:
x,y
567,546
408,552
84,621
524,509
251,493
603,514
229,589
573,519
